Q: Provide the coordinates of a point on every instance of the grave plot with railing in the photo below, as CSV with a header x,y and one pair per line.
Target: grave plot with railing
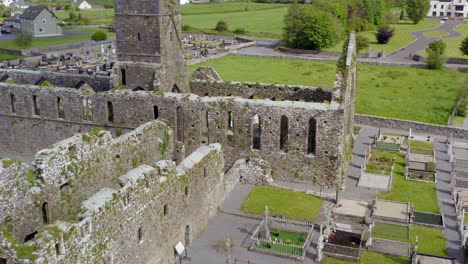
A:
x,y
342,245
420,161
285,237
377,170
428,219
391,142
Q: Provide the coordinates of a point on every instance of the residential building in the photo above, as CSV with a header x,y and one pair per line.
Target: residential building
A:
x,y
449,8
40,21
13,22
81,4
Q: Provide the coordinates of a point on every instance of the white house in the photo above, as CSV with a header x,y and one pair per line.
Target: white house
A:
x,y
82,4
449,8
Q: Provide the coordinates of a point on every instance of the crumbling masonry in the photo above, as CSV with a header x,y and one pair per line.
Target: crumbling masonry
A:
x,y
149,166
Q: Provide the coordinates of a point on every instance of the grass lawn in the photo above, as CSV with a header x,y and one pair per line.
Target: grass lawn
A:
x,y
262,20
371,258
401,38
97,17
293,205
44,43
431,240
435,33
7,56
287,237
227,7
406,93
421,195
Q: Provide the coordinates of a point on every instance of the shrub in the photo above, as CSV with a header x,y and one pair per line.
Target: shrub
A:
x,y
464,46
186,27
108,6
221,26
384,34
288,241
99,36
239,31
24,39
436,55
362,43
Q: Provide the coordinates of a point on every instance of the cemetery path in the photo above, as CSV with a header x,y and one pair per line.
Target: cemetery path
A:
x,y
445,200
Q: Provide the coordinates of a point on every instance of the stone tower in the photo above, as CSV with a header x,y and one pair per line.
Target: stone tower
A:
x,y
149,46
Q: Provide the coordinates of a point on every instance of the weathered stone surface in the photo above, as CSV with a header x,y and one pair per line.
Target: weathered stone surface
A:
x,y
255,171
205,74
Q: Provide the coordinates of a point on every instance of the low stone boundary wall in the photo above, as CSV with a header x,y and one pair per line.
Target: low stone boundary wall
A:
x,y
391,247
386,122
80,45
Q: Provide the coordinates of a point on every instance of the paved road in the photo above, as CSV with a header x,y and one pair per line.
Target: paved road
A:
x,y
422,41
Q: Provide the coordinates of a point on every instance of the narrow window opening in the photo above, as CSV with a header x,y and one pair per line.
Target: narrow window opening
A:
x,y
180,124
61,112
124,76
57,248
230,120
205,172
166,209
187,235
186,190
204,131
110,112
13,103
139,38
284,127
140,234
256,132
311,136
138,88
45,213
36,110
155,112
30,237
175,89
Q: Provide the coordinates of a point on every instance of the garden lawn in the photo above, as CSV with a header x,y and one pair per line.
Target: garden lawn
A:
x,y
435,33
292,205
453,43
422,195
401,38
44,43
227,7
430,240
405,93
371,258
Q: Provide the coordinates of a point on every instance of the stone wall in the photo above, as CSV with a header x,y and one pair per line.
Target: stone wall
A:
x,y
262,91
195,120
137,221
400,124
98,83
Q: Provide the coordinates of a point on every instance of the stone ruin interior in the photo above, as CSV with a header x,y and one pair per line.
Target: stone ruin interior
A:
x,y
115,169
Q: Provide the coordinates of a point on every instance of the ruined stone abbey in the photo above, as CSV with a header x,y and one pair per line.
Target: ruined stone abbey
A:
x,y
126,166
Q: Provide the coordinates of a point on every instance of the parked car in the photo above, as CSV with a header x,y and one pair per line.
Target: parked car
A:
x,y
444,19
6,31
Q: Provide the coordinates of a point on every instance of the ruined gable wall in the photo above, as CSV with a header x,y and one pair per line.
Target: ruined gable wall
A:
x,y
98,83
261,91
109,229
131,109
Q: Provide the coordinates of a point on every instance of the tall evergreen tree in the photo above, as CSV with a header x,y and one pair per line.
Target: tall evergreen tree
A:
x,y
417,9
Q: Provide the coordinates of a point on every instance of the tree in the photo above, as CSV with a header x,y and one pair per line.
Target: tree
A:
x,y
307,27
221,26
99,36
384,34
379,12
362,43
464,46
24,39
436,55
417,9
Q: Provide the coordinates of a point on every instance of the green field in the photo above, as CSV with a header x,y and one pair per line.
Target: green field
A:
x,y
430,240
402,37
371,258
406,93
44,43
292,205
228,7
453,43
96,17
435,33
422,195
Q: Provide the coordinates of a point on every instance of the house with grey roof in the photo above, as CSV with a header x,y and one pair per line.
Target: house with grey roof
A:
x,y
40,21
